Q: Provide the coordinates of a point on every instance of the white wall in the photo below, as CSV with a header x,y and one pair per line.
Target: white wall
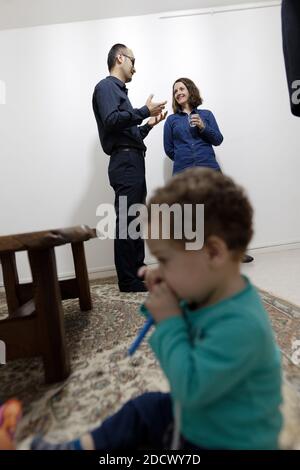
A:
x,y
23,14
53,170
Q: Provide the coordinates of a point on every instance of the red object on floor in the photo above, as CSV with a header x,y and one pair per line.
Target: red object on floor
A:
x,y
10,415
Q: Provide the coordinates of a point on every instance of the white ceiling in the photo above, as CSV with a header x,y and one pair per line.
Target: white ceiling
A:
x,y
26,13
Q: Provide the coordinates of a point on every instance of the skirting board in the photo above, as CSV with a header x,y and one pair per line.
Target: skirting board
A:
x,y
108,271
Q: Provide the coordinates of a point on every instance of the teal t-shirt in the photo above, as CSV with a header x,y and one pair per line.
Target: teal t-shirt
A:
x,y
224,371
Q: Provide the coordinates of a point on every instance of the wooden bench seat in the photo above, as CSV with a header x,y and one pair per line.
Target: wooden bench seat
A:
x,y
35,323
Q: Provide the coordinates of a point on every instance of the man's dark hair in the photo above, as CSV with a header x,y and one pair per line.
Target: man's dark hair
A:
x,y
112,55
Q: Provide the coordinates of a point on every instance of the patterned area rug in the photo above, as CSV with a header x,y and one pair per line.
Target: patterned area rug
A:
x,y
103,377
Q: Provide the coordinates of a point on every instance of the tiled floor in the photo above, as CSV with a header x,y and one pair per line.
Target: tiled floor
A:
x,y
277,272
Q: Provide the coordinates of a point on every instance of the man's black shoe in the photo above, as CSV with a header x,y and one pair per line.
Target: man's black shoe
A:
x,y
138,287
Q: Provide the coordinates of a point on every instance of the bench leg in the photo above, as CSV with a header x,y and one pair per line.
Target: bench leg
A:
x,y
51,330
11,281
82,278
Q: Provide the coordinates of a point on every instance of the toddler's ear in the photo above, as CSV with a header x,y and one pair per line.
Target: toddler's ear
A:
x,y
216,248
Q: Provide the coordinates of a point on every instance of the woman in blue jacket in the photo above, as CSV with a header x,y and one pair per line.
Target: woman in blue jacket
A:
x,y
190,133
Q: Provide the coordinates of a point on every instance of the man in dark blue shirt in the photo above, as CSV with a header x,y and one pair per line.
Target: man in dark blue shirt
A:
x,y
123,140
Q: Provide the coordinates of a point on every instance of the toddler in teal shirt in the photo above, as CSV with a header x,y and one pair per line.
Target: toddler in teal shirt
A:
x,y
212,336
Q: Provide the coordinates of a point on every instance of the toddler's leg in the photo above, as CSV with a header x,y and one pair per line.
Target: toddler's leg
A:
x,y
141,422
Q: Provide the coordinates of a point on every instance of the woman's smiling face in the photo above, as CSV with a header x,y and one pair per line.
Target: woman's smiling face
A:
x,y
181,93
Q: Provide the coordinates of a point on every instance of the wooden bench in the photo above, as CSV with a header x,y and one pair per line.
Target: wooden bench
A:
x,y
35,322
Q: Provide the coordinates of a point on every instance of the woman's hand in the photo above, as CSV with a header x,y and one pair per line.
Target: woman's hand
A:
x,y
197,121
162,303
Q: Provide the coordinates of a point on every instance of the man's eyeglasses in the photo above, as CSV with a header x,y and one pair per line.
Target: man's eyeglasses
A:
x,y
132,60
